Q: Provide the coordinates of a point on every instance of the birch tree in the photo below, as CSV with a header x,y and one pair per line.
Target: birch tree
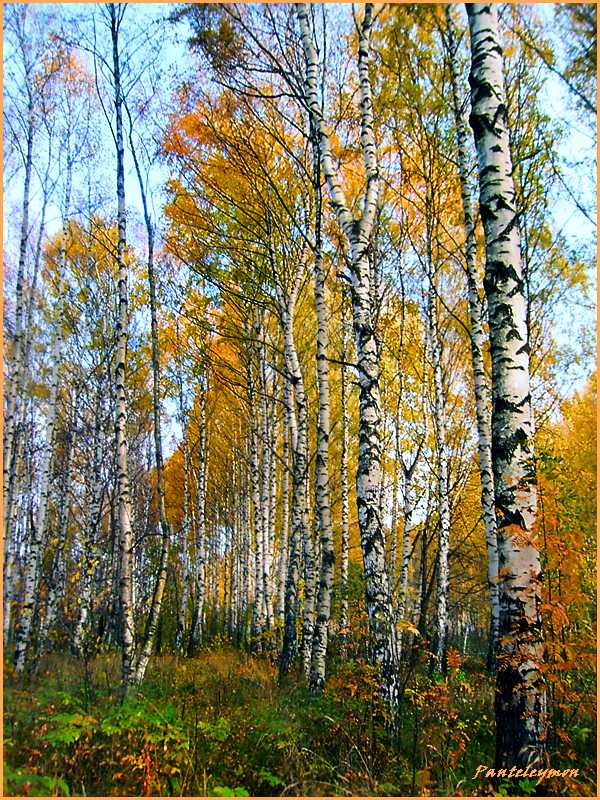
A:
x,y
358,233
115,14
161,578
478,339
39,539
521,697
323,502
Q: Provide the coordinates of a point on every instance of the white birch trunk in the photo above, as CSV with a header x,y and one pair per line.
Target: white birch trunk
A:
x,y
92,525
16,388
323,501
383,640
285,505
56,579
197,626
11,393
38,538
345,543
273,444
298,425
482,395
184,538
407,513
265,438
258,611
161,577
521,694
442,478
38,542
123,485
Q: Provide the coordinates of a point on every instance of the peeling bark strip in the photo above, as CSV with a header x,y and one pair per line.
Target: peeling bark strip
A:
x,y
359,232
482,399
521,696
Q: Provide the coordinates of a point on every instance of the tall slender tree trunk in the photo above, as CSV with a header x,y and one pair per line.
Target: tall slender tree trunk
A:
x,y
16,390
56,579
258,611
395,489
442,476
482,395
273,411
407,524
123,486
298,424
10,414
197,626
184,536
246,562
161,577
92,526
266,494
38,538
310,558
38,541
323,500
345,543
285,503
383,640
521,694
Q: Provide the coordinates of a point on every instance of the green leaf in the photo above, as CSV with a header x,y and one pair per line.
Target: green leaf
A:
x,y
269,778
227,791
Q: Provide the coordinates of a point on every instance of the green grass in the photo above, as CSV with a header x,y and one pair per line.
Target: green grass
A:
x,y
220,725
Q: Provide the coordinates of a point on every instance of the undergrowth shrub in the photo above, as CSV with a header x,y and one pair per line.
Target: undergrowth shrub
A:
x,y
220,724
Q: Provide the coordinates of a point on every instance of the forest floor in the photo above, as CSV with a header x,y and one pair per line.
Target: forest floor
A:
x,y
220,724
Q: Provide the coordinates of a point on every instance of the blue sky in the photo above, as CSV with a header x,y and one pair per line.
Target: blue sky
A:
x,y
174,54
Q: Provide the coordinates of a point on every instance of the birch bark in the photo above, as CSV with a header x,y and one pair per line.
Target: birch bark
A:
x,y
92,525
359,232
196,630
266,446
56,578
482,394
258,611
442,477
298,425
38,542
323,501
124,496
345,543
407,512
184,537
14,454
161,577
38,537
11,405
521,695
285,503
